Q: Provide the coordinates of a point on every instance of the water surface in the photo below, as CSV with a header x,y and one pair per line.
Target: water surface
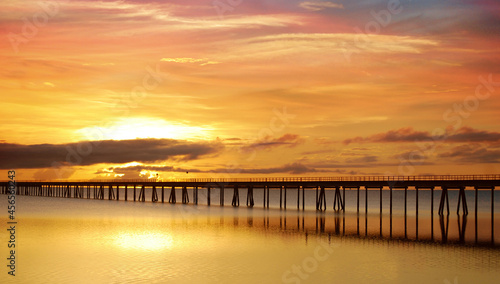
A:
x,y
92,241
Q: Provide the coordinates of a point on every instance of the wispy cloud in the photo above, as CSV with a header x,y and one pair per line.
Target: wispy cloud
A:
x,y
202,62
320,5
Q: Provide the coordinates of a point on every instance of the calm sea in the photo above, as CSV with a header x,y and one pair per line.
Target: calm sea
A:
x,y
62,240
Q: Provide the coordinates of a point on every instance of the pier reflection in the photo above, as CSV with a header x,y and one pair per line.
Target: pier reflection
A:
x,y
453,229
444,222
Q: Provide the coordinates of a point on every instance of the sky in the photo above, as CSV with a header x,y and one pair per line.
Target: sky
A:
x,y
249,88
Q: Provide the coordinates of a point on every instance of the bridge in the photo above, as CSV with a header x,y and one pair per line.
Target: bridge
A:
x,y
158,190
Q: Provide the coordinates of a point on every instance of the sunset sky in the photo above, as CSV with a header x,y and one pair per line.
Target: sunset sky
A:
x,y
244,88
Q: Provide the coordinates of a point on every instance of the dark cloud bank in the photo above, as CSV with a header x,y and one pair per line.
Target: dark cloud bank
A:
x,y
108,151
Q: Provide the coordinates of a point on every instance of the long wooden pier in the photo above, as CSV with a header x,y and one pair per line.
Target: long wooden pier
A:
x,y
165,191
153,190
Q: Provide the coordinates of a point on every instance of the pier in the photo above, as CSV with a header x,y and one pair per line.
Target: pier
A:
x,y
150,189
153,190
110,189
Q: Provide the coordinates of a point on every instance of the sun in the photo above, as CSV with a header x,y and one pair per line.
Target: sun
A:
x,y
143,127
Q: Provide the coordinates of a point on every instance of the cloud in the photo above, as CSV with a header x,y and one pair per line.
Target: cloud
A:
x,y
408,134
107,151
293,168
364,159
400,135
203,62
267,143
468,134
133,171
472,154
324,151
128,172
182,60
332,47
318,5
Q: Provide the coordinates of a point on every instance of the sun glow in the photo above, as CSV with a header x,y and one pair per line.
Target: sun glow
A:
x,y
140,127
144,241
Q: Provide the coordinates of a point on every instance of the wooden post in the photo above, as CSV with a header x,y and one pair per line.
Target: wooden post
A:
x,y
264,197
208,195
381,199
432,201
416,212
281,196
172,198
444,198
432,212
337,200
185,196
303,198
358,202
475,212
390,211
492,215
406,220
154,194
268,197
221,195
250,202
298,197
390,201
236,197
284,205
196,195
317,201
322,198
406,199
416,201
343,201
366,200
461,197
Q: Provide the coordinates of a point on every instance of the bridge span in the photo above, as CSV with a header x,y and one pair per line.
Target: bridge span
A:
x,y
157,190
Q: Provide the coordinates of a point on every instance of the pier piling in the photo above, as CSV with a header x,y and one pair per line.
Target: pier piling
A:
x,y
236,197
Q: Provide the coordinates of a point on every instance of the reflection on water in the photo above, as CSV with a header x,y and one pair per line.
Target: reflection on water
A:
x,y
85,241
143,240
436,230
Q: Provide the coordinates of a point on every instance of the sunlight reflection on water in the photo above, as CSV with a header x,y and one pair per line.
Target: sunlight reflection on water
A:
x,y
143,240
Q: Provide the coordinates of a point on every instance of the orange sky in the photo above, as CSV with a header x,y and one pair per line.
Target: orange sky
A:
x,y
97,89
